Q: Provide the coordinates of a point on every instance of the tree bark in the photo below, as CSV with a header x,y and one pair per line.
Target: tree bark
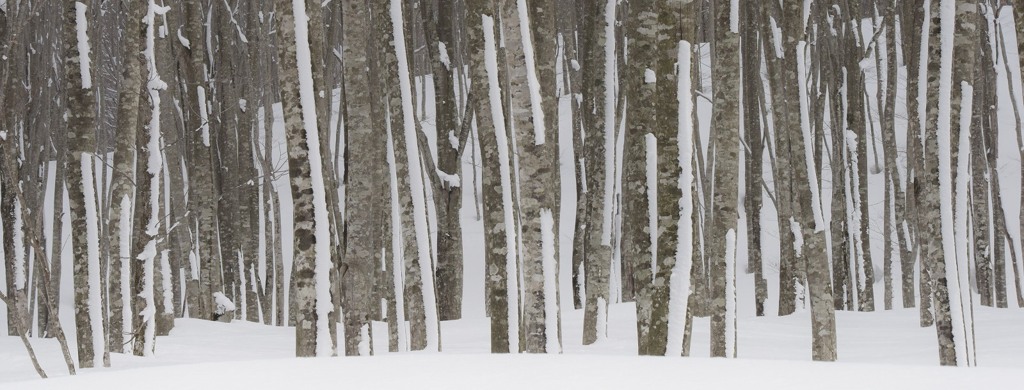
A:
x,y
309,329
724,215
641,119
81,192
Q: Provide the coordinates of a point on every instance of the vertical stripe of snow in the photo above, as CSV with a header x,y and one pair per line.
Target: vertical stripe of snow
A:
x,y
322,261
93,252
125,251
82,25
494,94
416,181
154,165
547,230
963,262
396,246
680,280
539,132
651,144
805,125
610,63
204,115
730,293
18,231
945,181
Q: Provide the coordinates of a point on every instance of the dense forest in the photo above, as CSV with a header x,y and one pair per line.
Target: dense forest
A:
x,y
329,164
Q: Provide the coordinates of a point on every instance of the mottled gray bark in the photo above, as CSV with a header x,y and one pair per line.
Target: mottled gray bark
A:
x,y
930,199
415,306
82,145
304,291
202,201
725,69
855,121
123,175
537,170
495,225
440,34
983,132
750,29
597,260
785,100
641,30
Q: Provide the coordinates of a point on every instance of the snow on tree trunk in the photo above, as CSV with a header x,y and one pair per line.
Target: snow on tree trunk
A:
x,y
123,179
202,201
640,88
84,216
499,248
418,257
724,216
537,163
935,193
786,98
311,262
598,117
440,33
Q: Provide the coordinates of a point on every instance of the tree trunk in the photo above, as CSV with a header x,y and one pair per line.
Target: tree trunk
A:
x,y
440,33
598,124
202,201
310,265
724,215
930,192
750,29
641,110
81,190
499,242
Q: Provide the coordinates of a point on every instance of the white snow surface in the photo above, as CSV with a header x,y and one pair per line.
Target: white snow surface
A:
x,y
876,350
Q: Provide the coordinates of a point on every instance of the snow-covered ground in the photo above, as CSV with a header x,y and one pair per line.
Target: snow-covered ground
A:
x,y
876,350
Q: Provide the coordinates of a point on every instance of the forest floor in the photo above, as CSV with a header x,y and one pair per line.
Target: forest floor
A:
x,y
876,350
